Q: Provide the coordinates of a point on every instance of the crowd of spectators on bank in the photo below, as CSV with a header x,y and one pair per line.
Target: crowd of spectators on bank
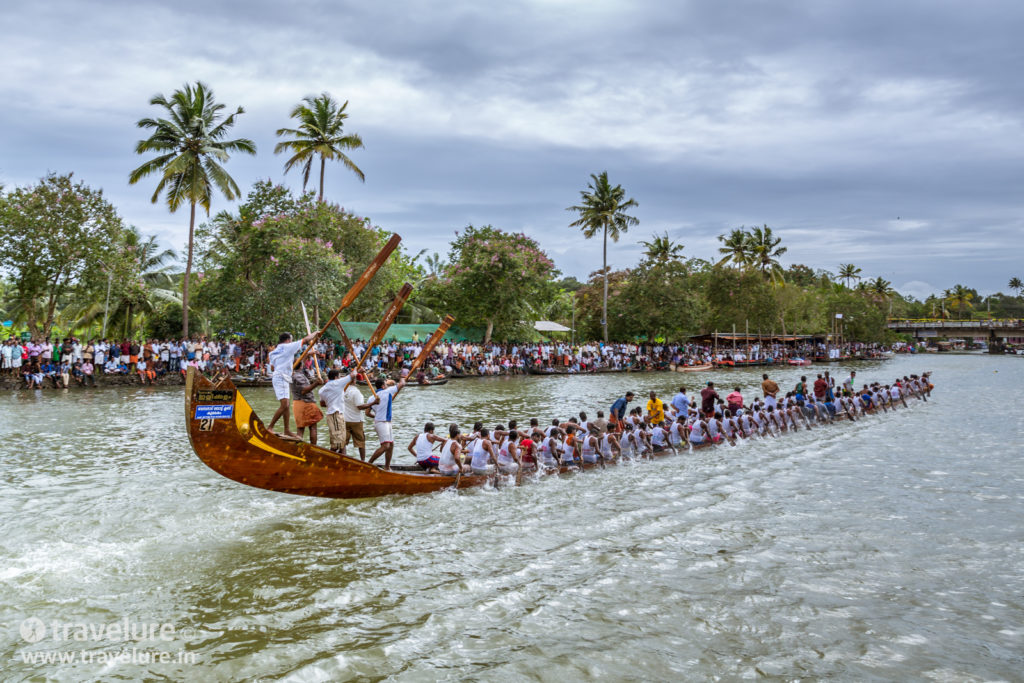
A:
x,y
70,361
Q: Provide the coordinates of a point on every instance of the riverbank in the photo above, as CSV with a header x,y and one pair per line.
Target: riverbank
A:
x,y
101,382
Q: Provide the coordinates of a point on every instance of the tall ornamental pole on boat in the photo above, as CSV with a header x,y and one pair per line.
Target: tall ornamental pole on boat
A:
x,y
354,291
316,362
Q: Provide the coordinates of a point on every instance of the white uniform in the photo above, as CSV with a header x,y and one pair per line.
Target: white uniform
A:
x,y
505,460
628,445
382,413
546,456
447,464
423,447
282,358
697,433
588,452
568,453
480,458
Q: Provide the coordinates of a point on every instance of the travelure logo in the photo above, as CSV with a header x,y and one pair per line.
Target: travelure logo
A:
x,y
34,629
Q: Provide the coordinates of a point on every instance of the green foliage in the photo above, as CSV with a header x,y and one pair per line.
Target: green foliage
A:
x,y
740,298
658,299
849,272
863,318
756,248
164,324
492,279
661,249
961,299
52,237
800,275
320,133
279,250
190,147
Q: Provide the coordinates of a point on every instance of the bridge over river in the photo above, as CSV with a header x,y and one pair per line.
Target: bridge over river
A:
x,y
998,331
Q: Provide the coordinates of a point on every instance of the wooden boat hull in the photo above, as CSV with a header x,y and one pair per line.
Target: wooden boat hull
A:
x,y
693,368
232,441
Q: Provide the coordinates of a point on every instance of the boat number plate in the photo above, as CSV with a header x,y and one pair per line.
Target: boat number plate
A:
x,y
215,412
214,395
206,425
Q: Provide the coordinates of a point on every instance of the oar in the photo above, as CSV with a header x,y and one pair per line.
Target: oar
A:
x,y
458,476
347,342
382,327
431,343
316,363
355,289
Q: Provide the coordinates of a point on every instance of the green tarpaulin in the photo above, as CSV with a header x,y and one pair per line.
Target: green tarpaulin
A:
x,y
404,333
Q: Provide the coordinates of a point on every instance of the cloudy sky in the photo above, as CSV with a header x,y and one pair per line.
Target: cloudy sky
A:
x,y
883,133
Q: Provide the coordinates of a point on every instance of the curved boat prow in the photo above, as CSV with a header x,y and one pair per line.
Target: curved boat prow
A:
x,y
230,439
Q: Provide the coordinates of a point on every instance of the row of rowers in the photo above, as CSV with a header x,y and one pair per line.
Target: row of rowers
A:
x,y
506,448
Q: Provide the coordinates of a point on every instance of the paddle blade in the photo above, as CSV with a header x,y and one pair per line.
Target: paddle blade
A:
x,y
370,271
389,315
431,343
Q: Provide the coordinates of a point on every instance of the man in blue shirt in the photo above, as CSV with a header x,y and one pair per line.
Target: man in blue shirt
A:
x,y
681,402
618,411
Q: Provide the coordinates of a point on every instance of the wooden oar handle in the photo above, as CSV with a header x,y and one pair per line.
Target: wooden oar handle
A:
x,y
431,343
385,323
354,290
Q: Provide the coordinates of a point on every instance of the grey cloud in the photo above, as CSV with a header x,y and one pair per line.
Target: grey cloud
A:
x,y
825,120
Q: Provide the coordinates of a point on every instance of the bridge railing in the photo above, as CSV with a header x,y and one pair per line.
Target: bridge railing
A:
x,y
928,323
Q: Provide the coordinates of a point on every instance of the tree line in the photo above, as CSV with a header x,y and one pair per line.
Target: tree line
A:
x,y
70,262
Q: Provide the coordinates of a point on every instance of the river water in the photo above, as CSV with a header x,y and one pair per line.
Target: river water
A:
x,y
888,549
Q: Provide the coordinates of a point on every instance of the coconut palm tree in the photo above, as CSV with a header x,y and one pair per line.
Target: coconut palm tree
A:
x,y
960,297
881,289
736,248
848,272
190,149
320,133
145,280
661,249
1016,285
603,209
765,251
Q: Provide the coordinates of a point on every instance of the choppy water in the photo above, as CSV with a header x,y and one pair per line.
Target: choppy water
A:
x,y
889,549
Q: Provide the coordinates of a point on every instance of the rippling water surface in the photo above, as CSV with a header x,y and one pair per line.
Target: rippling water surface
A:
x,y
889,549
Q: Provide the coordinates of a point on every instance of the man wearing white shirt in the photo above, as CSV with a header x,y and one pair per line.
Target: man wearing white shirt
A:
x,y
382,405
332,397
354,418
282,358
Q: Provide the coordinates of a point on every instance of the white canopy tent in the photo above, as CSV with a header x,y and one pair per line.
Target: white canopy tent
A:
x,y
549,326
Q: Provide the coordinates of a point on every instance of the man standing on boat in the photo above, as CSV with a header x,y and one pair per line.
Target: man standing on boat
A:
x,y
681,402
770,389
708,396
618,411
282,358
332,397
353,398
382,413
655,410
